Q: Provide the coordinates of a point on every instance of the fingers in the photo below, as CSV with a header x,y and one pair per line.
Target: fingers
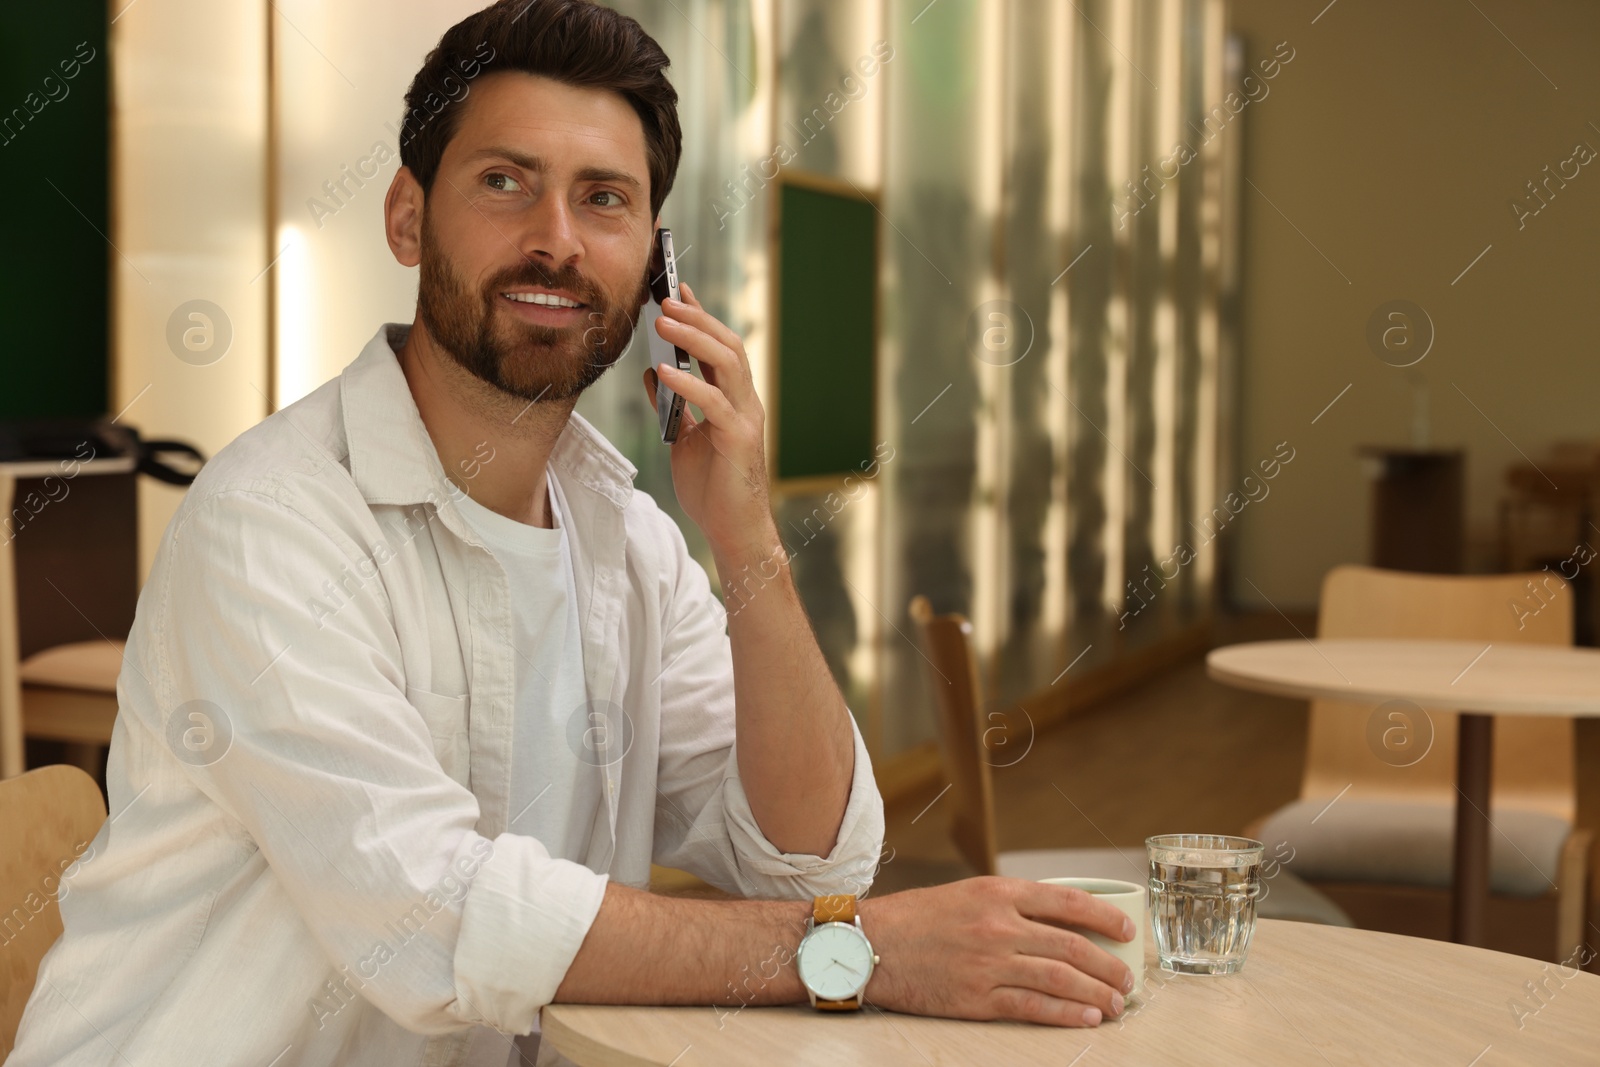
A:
x,y
1079,972
711,400
717,363
1068,906
1033,1006
718,348
1068,946
686,421
711,324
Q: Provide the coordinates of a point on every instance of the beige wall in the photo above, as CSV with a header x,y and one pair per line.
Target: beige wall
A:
x,y
188,195
1396,140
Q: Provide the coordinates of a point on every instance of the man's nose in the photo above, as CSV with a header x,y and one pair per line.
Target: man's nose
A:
x,y
550,236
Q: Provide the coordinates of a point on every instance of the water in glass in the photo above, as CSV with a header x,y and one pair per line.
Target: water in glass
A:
x,y
1203,890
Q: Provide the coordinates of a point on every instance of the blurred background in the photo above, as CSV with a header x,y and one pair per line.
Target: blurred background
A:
x,y
1112,325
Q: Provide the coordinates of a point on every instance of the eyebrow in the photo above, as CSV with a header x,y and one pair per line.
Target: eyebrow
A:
x,y
538,165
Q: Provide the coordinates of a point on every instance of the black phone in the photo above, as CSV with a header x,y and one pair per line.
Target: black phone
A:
x,y
664,284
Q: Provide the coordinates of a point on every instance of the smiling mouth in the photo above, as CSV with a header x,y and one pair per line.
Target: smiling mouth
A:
x,y
544,300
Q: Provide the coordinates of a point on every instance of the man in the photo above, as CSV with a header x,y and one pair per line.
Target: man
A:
x,y
420,686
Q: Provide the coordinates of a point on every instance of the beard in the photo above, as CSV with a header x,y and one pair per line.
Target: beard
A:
x,y
526,360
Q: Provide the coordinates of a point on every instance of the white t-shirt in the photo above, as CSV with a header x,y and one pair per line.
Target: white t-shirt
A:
x,y
556,795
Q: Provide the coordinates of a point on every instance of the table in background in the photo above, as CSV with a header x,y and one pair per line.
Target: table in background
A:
x,y
1309,994
1479,682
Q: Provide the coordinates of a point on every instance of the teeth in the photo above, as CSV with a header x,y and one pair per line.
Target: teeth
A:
x,y
544,299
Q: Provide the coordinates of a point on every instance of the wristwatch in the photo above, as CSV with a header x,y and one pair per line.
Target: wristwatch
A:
x,y
835,957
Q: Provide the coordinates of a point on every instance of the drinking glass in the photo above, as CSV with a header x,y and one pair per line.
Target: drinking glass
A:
x,y
1203,890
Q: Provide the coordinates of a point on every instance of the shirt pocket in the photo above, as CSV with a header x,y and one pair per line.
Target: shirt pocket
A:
x,y
446,717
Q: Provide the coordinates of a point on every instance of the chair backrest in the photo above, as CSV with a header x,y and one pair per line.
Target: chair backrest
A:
x,y
1533,756
946,642
47,819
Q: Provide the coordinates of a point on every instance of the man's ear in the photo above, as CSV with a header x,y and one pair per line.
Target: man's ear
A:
x,y
403,209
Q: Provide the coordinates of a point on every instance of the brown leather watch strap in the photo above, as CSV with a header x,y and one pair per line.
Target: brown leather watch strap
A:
x,y
838,1005
835,909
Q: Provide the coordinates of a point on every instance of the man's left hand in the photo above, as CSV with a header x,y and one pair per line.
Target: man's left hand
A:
x,y
719,466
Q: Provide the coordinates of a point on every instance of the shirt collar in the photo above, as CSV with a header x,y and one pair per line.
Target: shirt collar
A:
x,y
392,458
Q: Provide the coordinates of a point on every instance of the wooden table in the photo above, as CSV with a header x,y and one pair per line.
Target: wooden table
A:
x,y
1446,675
1308,994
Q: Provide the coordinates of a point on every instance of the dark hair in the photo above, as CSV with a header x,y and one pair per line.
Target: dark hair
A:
x,y
577,42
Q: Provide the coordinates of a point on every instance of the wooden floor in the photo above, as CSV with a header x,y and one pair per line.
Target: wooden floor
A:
x,y
1180,753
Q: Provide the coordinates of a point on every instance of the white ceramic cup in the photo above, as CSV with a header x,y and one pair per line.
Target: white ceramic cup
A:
x,y
1128,897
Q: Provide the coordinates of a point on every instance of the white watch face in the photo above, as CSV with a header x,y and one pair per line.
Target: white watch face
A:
x,y
835,960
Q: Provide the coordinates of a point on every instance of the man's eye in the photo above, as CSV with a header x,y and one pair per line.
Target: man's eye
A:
x,y
510,186
616,200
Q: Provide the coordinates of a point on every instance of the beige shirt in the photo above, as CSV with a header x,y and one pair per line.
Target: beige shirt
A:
x,y
307,860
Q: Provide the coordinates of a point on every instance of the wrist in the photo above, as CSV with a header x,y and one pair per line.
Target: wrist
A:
x,y
749,546
769,976
882,947
748,567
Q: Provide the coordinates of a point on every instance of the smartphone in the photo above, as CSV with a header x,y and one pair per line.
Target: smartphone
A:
x,y
664,284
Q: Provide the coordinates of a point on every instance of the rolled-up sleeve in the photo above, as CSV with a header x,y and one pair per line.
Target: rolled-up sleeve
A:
x,y
277,633
704,824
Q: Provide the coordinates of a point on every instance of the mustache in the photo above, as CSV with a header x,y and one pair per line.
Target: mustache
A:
x,y
534,274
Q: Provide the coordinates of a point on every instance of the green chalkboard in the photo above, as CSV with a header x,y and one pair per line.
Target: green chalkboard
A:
x,y
54,65
827,313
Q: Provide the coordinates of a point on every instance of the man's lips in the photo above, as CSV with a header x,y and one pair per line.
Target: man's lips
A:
x,y
529,292
544,314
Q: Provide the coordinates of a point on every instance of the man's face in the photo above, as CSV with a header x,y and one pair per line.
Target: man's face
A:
x,y
543,189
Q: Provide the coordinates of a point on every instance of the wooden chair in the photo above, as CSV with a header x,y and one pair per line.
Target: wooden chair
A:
x,y
48,817
1383,848
946,641
54,687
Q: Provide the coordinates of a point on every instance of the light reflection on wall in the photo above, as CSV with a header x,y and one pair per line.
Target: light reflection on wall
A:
x,y
1219,251
1057,575
301,316
1119,37
990,571
1165,135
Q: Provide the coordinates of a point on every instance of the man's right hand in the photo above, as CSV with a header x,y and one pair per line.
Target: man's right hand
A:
x,y
995,948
